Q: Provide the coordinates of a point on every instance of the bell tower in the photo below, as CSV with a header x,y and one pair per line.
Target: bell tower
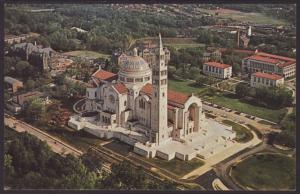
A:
x,y
159,100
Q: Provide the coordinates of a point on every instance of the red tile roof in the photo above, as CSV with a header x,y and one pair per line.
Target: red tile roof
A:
x,y
120,87
173,96
286,63
276,56
104,75
218,65
264,59
267,75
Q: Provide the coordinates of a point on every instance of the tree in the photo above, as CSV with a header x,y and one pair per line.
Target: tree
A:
x,y
241,90
205,37
24,69
8,168
35,110
81,178
171,71
30,84
193,73
201,80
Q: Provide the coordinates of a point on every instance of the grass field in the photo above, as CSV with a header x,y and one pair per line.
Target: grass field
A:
x,y
243,135
227,100
177,166
256,131
177,43
266,172
257,18
230,101
80,139
119,147
187,87
87,54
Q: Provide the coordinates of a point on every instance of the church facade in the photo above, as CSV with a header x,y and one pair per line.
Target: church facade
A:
x,y
137,107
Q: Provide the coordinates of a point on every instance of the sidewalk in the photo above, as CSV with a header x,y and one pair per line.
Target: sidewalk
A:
x,y
237,147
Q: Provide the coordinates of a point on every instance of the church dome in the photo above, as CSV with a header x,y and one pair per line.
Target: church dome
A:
x,y
134,70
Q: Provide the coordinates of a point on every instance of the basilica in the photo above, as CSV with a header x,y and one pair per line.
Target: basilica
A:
x,y
136,107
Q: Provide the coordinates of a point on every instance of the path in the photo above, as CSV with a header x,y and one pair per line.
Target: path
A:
x,y
210,162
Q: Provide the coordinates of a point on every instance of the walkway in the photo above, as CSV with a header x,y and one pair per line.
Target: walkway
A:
x,y
210,162
78,107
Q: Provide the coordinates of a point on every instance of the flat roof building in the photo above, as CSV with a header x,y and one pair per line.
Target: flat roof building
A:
x,y
218,70
260,79
13,83
264,62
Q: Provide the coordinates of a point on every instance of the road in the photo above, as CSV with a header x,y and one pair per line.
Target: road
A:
x,y
55,144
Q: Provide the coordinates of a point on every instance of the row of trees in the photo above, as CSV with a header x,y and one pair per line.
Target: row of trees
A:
x,y
288,135
30,164
274,97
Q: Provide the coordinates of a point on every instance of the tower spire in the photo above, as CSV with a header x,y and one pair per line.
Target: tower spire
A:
x,y
160,42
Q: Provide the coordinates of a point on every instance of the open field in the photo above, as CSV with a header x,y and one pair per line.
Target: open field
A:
x,y
230,101
187,87
243,135
227,100
266,172
257,18
177,166
87,54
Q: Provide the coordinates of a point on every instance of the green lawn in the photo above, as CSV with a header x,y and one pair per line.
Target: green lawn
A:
x,y
119,147
227,100
230,101
176,166
187,87
257,18
80,139
177,43
180,46
88,54
256,131
266,172
243,135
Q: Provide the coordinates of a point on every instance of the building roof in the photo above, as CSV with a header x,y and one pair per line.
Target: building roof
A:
x,y
286,63
274,59
218,65
264,59
120,87
276,56
267,75
173,96
104,75
11,80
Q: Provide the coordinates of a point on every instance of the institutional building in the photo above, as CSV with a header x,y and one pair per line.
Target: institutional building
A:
x,y
136,107
260,79
35,54
263,62
212,54
218,70
13,83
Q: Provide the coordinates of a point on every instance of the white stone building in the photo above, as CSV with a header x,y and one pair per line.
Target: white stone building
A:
x,y
218,70
260,79
137,107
